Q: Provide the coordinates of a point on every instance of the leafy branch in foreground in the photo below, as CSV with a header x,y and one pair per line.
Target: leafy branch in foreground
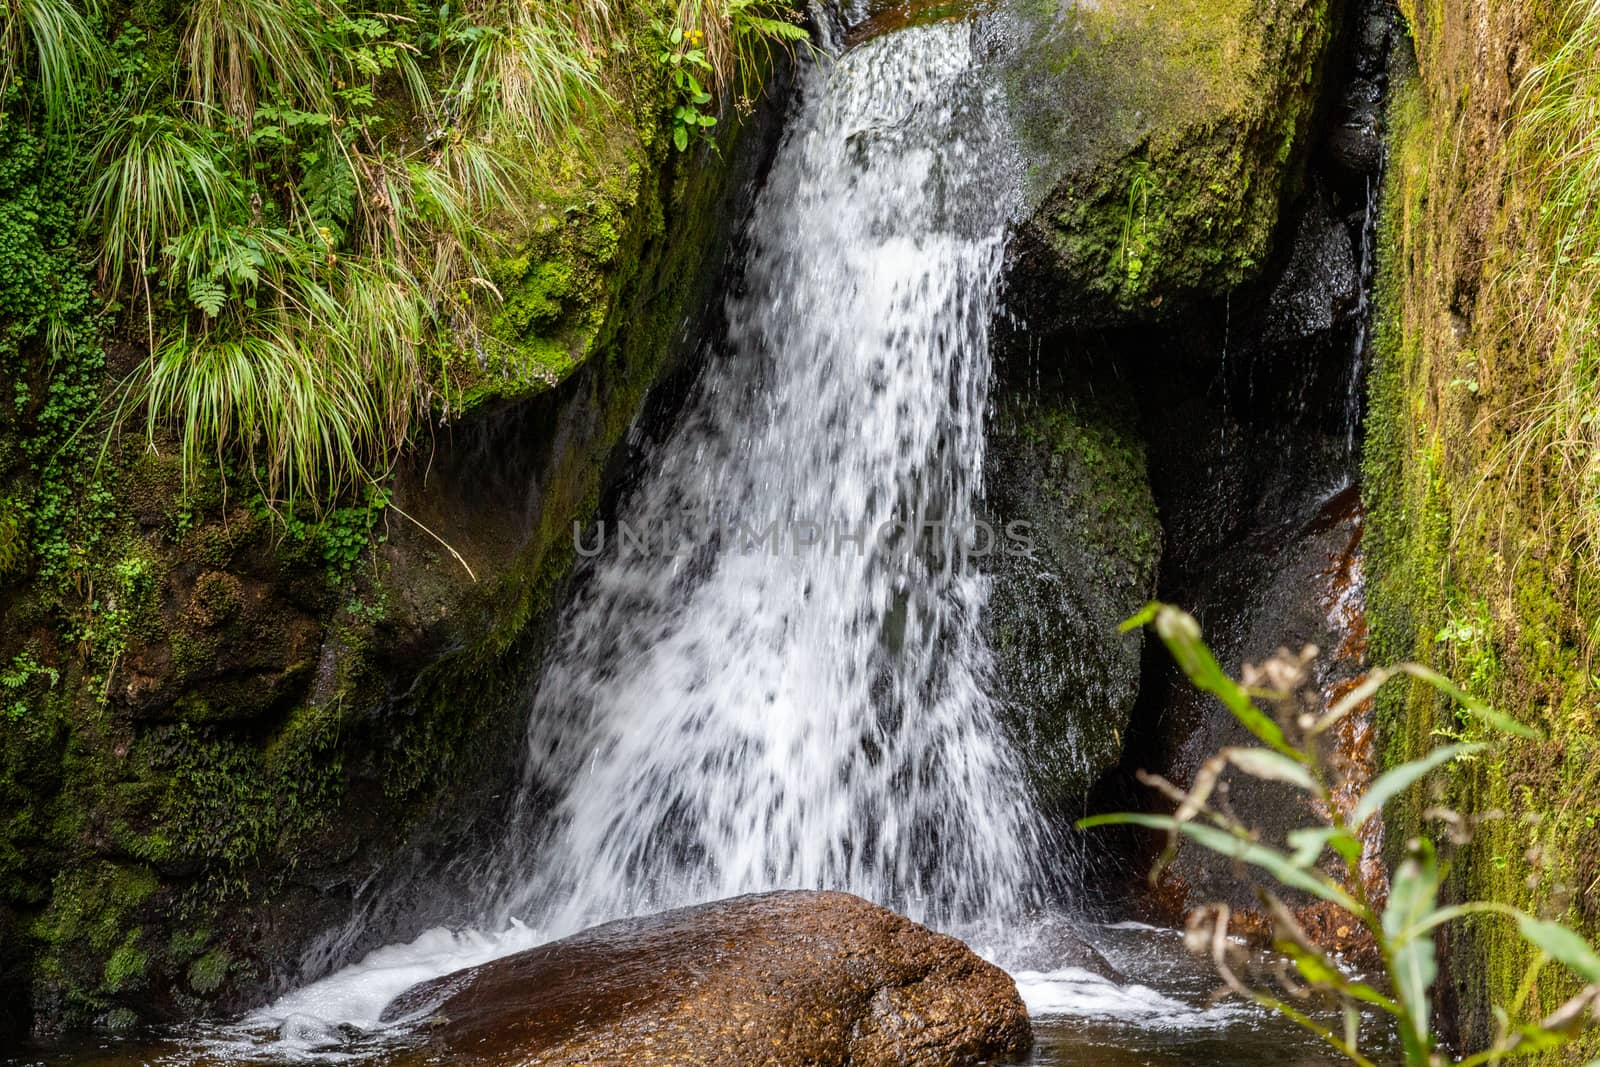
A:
x,y
1324,862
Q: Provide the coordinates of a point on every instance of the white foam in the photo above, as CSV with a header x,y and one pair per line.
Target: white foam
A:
x,y
1075,993
357,995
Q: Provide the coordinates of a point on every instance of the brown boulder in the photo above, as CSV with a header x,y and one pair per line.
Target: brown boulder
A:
x,y
778,978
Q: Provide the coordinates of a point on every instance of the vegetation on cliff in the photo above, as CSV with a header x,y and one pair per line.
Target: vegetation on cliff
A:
x,y
1481,453
298,205
250,256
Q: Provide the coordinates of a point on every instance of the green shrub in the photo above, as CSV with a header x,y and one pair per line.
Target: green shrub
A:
x,y
1323,861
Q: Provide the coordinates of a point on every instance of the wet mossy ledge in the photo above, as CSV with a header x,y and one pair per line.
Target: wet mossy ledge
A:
x,y
1159,143
220,718
1068,459
1480,550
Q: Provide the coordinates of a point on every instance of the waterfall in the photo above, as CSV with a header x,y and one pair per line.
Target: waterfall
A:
x,y
774,674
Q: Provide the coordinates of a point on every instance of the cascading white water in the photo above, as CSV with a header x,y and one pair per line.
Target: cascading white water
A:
x,y
728,713
720,716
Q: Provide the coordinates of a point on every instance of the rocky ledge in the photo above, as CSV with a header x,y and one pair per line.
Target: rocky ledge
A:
x,y
778,978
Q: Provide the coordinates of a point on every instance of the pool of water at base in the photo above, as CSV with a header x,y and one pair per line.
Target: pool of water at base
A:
x,y
1161,1012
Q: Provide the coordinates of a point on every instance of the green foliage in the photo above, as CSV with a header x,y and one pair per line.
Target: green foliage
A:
x,y
52,41
50,358
237,49
339,537
760,28
737,37
686,63
309,217
15,680
1135,239
159,177
1469,638
304,218
529,75
13,538
1551,290
1324,861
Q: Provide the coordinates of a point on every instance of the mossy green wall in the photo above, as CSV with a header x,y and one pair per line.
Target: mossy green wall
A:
x,y
1470,568
1160,142
216,719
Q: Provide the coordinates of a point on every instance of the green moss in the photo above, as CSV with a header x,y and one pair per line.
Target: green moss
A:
x,y
125,969
120,1019
92,931
188,941
1466,571
1070,462
1163,173
1100,457
207,973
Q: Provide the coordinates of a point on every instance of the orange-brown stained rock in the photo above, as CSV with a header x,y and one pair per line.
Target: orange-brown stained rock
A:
x,y
775,979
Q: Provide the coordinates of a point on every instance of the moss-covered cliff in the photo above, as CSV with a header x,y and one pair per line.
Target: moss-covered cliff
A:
x,y
1159,144
1481,551
220,716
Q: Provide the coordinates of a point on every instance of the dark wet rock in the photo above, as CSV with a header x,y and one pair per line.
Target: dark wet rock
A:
x,y
1320,286
778,978
1069,462
1355,142
1301,587
1253,434
1159,143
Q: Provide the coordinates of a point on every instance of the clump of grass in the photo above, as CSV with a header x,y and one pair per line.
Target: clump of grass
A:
x,y
1554,287
739,36
758,28
309,214
312,392
528,73
160,178
298,309
235,48
53,40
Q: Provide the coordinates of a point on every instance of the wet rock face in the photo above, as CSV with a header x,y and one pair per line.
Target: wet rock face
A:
x,y
1253,434
1159,142
778,978
1068,461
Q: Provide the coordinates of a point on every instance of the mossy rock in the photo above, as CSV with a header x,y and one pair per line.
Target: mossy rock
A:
x,y
1158,141
1070,464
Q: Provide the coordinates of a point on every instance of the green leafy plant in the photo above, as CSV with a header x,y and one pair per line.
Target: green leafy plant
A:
x,y
1323,861
1133,227
758,28
15,678
13,537
715,46
685,63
